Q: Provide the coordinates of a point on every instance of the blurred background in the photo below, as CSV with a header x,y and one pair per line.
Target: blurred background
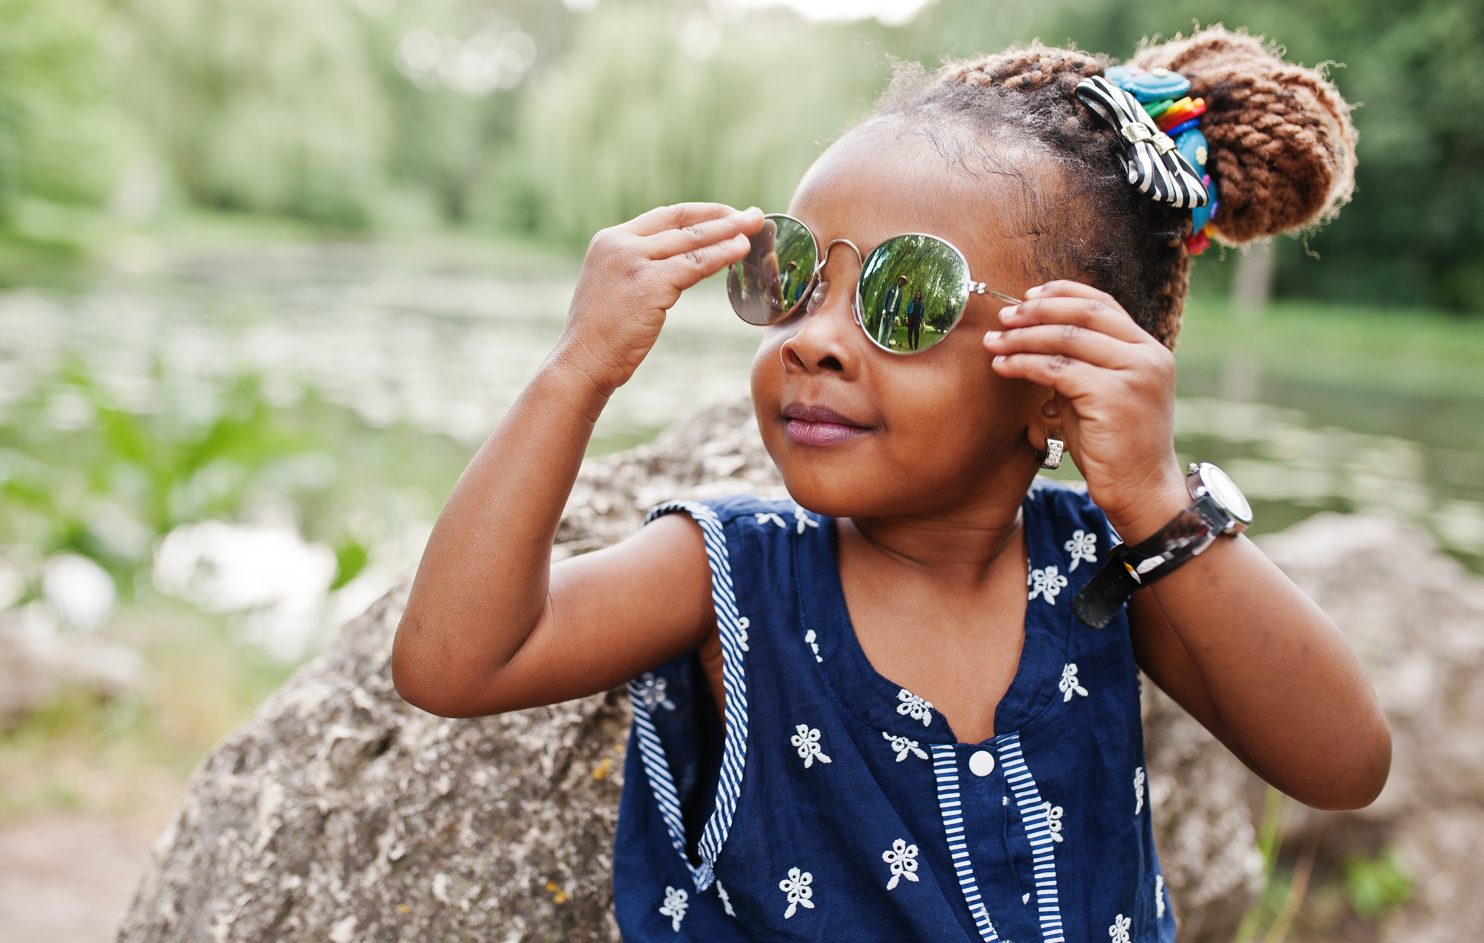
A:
x,y
270,272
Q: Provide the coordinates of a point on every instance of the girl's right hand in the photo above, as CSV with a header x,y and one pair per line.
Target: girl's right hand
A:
x,y
634,272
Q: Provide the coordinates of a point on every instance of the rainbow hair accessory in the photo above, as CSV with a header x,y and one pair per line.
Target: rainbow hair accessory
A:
x,y
1165,97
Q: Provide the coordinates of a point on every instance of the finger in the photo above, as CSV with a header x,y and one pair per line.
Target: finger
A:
x,y
1073,379
1080,309
675,216
669,242
1069,287
1074,340
692,265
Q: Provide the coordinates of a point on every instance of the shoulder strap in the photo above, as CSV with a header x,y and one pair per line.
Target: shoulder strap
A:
x,y
734,682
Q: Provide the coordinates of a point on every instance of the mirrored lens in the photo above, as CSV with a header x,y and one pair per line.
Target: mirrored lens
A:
x,y
914,288
768,285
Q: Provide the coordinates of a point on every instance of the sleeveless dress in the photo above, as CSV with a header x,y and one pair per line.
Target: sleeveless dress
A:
x,y
839,805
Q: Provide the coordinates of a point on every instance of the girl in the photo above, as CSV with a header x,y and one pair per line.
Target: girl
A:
x,y
881,708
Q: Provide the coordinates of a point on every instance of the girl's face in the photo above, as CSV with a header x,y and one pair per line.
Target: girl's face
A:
x,y
944,431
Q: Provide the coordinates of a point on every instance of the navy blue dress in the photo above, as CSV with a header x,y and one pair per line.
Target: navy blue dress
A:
x,y
839,805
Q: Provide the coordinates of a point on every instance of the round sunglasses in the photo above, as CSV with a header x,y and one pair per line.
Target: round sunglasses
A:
x,y
912,291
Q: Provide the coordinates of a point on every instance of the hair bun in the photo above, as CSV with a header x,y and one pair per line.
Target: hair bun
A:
x,y
1281,140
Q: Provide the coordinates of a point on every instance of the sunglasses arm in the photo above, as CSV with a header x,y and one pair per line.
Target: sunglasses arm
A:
x,y
979,288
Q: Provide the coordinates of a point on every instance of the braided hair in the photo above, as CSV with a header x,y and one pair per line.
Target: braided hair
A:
x,y
1282,154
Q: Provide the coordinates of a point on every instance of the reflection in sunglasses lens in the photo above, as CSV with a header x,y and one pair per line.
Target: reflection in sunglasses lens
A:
x,y
767,285
914,291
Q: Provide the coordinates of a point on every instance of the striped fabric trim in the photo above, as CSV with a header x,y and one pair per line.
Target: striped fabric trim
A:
x,y
1153,163
945,768
1033,818
734,683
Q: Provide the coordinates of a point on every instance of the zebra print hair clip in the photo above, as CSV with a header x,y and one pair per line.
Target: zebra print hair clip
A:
x,y
1150,158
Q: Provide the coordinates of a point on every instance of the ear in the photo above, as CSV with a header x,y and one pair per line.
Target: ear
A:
x,y
1048,423
1053,404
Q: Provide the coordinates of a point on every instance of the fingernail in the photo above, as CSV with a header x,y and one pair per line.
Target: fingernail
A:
x,y
999,358
1010,312
1033,292
992,336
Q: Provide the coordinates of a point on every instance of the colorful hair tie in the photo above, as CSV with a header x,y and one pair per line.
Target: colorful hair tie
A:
x,y
1163,96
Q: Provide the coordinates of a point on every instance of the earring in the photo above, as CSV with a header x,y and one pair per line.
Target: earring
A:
x,y
1051,458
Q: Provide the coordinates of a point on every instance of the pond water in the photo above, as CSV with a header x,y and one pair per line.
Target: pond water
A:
x,y
421,354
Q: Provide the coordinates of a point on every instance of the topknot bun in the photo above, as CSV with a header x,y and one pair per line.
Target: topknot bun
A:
x,y
1281,140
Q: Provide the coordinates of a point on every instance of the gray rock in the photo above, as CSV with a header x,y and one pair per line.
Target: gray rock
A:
x,y
1415,616
339,812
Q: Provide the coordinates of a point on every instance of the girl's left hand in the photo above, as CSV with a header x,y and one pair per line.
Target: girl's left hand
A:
x,y
1118,383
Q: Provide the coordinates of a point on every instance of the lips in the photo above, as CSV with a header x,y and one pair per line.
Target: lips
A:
x,y
816,425
816,413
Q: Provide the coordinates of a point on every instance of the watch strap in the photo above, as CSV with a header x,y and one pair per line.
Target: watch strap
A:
x,y
1128,568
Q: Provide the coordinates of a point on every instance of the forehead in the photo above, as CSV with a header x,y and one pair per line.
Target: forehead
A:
x,y
882,179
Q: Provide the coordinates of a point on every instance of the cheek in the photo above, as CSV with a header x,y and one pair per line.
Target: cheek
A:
x,y
967,413
766,367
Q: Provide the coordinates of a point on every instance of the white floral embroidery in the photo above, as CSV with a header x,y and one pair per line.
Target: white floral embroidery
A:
x,y
810,637
915,707
725,900
1118,932
1082,546
1138,790
903,746
1069,685
743,623
1053,820
1159,896
674,906
903,860
803,519
1045,582
764,516
807,741
652,692
797,891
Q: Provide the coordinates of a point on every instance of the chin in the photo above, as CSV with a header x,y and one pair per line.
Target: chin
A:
x,y
824,487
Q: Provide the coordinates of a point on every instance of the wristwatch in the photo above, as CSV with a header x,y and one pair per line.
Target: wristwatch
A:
x,y
1217,507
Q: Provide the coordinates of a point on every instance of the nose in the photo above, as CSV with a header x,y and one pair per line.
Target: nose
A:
x,y
823,338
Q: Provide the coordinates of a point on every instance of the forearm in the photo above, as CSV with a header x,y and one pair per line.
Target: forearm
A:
x,y
1289,690
482,583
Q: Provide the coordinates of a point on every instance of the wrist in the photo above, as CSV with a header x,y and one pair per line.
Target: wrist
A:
x,y
1155,507
563,385
568,367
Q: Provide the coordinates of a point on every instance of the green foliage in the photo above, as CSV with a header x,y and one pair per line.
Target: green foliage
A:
x,y
267,105
112,492
351,557
59,138
632,120
1374,886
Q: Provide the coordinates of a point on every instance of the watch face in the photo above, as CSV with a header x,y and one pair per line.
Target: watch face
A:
x,y
1226,493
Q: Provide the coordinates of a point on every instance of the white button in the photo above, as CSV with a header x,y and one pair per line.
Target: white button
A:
x,y
981,763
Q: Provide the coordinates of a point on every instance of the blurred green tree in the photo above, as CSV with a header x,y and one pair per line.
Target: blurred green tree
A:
x,y
59,137
269,105
658,103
